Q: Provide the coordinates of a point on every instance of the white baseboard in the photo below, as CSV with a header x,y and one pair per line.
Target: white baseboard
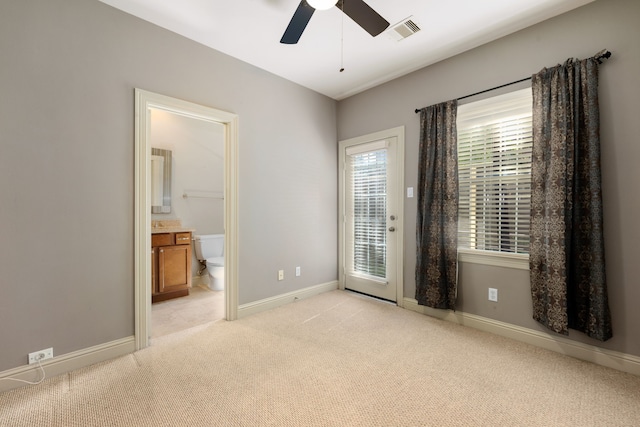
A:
x,y
68,362
200,280
600,356
268,303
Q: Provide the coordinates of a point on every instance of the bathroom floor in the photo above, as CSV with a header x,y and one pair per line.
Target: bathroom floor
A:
x,y
202,305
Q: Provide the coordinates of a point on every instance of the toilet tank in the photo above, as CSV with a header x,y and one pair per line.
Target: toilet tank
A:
x,y
208,245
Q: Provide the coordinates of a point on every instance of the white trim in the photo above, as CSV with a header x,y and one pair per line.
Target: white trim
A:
x,y
231,219
498,259
590,353
142,211
364,148
399,134
273,302
68,362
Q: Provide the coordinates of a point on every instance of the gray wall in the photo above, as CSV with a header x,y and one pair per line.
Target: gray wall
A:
x,y
611,24
67,79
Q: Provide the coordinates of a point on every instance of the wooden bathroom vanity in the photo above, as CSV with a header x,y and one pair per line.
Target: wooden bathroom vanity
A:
x,y
170,265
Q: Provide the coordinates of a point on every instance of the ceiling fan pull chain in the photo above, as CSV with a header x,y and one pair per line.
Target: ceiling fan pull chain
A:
x,y
342,39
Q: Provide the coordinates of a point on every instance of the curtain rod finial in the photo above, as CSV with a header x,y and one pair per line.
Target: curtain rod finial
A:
x,y
602,55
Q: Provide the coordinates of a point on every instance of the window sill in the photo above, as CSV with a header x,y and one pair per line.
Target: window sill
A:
x,y
497,259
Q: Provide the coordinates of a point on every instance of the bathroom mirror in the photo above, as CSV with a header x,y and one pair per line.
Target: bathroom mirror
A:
x,y
160,180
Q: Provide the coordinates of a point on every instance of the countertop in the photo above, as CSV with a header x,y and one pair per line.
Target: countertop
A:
x,y
158,230
169,226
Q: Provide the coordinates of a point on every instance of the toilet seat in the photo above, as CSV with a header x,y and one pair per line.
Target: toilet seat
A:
x,y
216,261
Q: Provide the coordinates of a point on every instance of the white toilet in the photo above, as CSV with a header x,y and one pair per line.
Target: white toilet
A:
x,y
210,248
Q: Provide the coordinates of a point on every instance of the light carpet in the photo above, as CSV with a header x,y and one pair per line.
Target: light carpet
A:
x,y
337,359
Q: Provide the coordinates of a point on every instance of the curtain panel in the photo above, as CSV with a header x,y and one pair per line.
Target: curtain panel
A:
x,y
437,220
567,264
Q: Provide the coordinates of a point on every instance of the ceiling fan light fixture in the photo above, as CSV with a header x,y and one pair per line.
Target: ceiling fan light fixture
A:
x,y
358,10
322,4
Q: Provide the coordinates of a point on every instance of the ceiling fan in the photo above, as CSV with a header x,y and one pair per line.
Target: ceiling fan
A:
x,y
357,10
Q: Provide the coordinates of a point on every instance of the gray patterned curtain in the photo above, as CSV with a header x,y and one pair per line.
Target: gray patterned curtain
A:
x,y
437,222
567,248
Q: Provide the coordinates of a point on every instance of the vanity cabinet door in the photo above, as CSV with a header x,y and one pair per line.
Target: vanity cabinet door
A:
x,y
174,268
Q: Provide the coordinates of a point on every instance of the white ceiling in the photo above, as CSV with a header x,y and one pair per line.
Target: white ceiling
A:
x,y
250,30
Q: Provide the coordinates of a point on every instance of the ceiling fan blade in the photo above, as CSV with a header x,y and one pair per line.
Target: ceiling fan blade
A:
x,y
298,23
364,16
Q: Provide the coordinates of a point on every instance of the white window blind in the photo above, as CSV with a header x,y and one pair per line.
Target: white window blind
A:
x,y
494,172
368,181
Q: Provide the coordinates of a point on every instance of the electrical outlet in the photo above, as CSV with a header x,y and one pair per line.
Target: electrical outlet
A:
x,y
41,355
297,271
493,294
280,274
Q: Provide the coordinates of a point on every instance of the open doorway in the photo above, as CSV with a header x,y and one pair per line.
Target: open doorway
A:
x,y
187,221
177,121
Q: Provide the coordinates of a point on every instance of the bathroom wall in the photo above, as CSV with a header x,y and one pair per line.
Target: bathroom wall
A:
x,y
67,79
197,148
581,33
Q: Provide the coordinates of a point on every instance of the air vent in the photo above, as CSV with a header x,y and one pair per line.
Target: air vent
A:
x,y
406,27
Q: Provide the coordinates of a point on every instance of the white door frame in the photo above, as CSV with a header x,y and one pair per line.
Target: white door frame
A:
x,y
398,133
142,226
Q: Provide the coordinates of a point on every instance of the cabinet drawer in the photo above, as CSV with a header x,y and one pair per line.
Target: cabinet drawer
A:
x,y
183,238
161,239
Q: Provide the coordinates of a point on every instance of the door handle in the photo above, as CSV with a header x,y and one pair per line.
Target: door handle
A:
x,y
392,217
392,229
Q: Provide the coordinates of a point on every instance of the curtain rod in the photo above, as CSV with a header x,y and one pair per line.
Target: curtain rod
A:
x,y
600,56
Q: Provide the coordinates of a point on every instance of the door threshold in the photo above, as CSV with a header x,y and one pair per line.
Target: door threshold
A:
x,y
387,301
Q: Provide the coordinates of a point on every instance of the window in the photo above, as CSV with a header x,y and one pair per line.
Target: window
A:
x,y
368,178
494,172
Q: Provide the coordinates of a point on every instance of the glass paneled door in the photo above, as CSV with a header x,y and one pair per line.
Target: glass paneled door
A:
x,y
370,218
